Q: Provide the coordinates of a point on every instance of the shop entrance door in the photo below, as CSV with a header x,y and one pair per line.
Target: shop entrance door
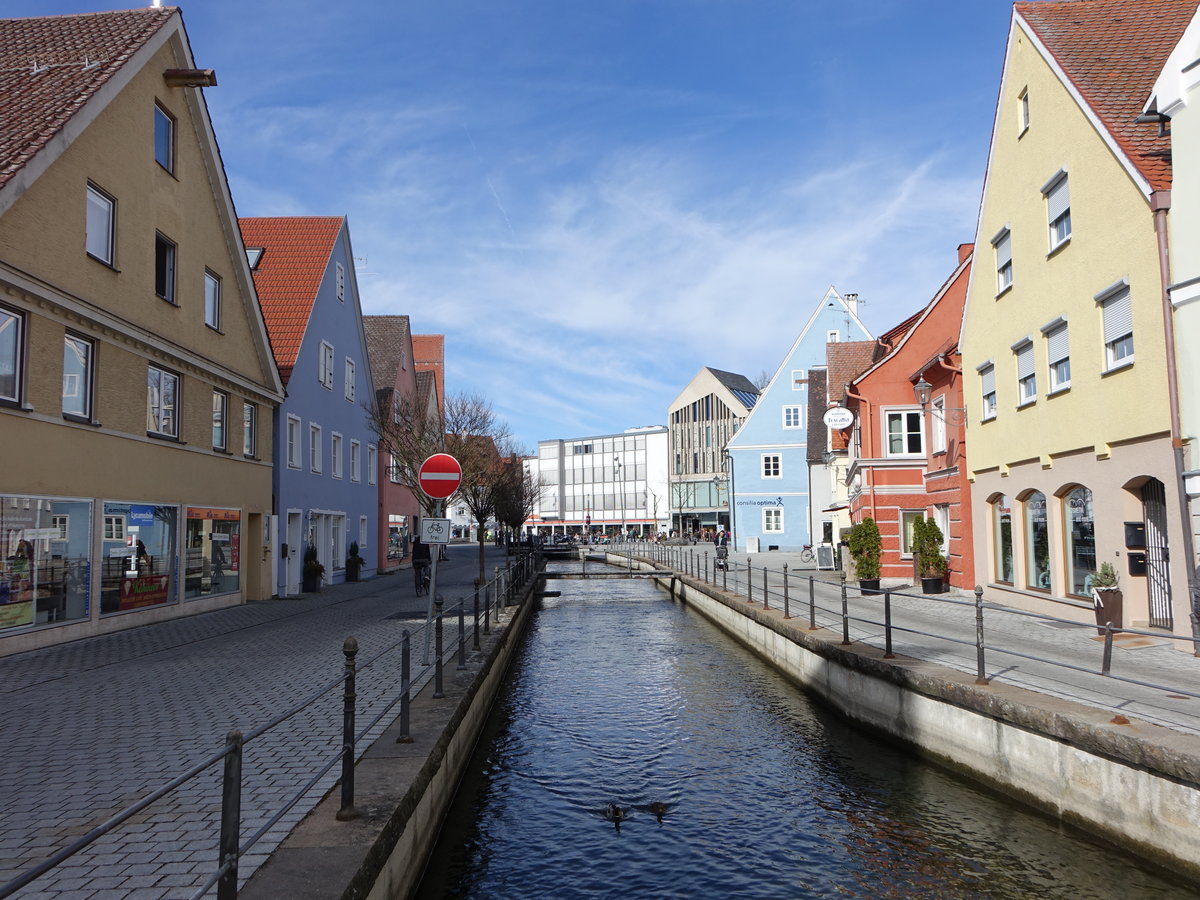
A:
x,y
1158,574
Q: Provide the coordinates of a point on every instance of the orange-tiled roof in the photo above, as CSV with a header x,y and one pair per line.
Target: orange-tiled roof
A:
x,y
295,256
51,66
429,355
1113,51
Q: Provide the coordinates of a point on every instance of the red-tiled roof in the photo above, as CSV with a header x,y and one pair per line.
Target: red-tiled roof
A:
x,y
51,66
386,337
295,256
429,355
1113,51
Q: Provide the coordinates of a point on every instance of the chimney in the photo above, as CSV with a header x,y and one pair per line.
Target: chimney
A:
x,y
964,250
852,303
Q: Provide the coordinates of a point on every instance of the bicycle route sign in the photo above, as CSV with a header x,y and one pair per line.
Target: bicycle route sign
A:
x,y
435,531
440,476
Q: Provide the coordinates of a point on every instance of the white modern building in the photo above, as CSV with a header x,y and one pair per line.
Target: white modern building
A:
x,y
608,484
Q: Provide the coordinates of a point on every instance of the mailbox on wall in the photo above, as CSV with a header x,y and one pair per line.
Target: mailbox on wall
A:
x,y
1135,535
1137,563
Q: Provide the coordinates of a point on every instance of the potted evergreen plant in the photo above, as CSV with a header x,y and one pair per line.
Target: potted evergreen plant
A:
x,y
930,563
313,570
866,547
1107,597
354,562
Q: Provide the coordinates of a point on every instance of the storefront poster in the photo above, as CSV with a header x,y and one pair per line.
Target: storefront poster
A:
x,y
235,548
146,590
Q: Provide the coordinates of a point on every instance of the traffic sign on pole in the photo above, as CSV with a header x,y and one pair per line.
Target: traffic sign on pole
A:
x,y
440,476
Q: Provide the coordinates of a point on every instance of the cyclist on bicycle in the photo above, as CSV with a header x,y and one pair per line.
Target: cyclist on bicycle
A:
x,y
420,563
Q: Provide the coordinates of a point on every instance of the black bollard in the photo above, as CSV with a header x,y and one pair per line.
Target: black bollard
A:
x,y
348,812
405,689
438,693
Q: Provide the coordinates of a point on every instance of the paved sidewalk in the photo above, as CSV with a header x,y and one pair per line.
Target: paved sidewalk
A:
x,y
93,726
942,630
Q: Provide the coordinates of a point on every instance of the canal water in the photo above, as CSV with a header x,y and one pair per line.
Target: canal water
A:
x,y
730,782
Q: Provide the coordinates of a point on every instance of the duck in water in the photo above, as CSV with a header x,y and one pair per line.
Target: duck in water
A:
x,y
658,809
614,814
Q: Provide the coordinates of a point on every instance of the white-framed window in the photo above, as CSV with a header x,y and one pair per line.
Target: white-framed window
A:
x,y
372,463
772,519
793,416
293,442
114,528
1058,355
1022,112
941,516
1002,244
212,300
164,267
905,433
220,419
78,360
314,448
1026,374
249,429
1116,310
772,465
938,423
350,387
335,455
162,402
799,379
340,279
101,224
62,525
164,138
393,469
12,354
832,337
355,460
325,363
987,389
1058,209
363,533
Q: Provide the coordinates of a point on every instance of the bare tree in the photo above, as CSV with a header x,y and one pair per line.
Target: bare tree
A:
x,y
474,437
409,432
519,494
763,379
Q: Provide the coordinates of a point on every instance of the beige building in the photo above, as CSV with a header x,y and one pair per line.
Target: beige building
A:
x,y
701,420
1070,420
136,382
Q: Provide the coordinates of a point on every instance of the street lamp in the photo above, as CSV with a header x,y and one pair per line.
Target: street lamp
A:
x,y
923,390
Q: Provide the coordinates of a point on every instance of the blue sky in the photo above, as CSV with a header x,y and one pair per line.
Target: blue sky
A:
x,y
592,199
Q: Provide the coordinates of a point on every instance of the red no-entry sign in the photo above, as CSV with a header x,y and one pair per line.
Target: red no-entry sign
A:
x,y
440,476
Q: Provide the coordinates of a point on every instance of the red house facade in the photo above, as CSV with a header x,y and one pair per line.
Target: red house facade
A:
x,y
907,449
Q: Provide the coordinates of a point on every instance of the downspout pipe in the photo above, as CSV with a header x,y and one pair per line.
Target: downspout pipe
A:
x,y
1160,204
865,421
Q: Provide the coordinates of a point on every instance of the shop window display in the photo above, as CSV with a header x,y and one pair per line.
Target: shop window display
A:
x,y
1037,542
44,575
1081,540
137,556
214,552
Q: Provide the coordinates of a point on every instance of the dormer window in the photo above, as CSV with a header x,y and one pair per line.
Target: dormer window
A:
x,y
254,256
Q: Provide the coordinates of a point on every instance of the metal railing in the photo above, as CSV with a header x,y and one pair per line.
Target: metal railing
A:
x,y
872,618
498,594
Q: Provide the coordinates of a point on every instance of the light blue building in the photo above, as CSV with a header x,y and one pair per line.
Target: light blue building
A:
x,y
326,491
768,453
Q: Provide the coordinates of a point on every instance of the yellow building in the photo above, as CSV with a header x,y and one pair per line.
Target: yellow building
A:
x,y
137,384
1071,419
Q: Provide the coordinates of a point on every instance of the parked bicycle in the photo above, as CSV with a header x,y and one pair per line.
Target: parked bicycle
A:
x,y
806,554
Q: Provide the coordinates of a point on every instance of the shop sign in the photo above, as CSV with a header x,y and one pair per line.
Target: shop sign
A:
x,y
216,515
838,418
14,613
141,515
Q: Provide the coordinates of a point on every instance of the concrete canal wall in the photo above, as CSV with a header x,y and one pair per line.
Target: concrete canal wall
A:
x,y
402,790
1134,784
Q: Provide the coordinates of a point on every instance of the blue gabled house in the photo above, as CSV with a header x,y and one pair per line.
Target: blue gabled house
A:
x,y
769,452
326,485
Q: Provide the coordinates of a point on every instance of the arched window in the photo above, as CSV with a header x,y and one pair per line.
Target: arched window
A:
x,y
1002,549
1037,542
1081,540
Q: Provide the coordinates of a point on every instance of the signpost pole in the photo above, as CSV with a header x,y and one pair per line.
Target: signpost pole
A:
x,y
439,477
433,561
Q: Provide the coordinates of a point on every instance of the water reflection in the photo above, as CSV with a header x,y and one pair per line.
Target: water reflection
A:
x,y
731,783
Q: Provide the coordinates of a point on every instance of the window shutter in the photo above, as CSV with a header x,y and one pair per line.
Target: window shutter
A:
x,y
1057,347
1025,360
1004,250
1058,199
989,380
1118,317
